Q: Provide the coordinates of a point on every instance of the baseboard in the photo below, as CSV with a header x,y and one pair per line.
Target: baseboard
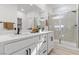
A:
x,y
50,51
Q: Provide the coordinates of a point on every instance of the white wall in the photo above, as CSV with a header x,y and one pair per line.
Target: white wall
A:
x,y
7,13
27,19
10,13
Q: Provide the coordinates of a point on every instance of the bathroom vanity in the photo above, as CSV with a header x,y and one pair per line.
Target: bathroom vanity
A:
x,y
27,44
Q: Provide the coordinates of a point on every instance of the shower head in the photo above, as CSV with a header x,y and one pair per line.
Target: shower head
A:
x,y
74,11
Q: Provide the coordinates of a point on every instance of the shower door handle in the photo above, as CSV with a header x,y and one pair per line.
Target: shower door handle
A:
x,y
51,38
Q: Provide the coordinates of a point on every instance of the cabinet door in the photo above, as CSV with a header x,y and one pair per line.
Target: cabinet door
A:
x,y
50,41
1,49
15,46
43,51
31,50
41,46
36,39
43,39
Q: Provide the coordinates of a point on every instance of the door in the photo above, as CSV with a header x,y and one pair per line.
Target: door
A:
x,y
69,28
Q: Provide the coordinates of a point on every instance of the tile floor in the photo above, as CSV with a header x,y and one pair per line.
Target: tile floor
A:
x,y
58,50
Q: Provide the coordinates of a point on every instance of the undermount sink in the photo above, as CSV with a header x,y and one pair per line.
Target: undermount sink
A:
x,y
18,35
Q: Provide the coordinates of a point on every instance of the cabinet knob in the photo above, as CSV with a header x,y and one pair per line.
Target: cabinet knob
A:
x,y
29,51
26,52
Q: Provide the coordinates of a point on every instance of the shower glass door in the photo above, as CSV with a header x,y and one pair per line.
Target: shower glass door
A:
x,y
64,27
69,27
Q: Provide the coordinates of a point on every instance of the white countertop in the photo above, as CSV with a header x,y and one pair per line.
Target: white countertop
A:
x,y
13,37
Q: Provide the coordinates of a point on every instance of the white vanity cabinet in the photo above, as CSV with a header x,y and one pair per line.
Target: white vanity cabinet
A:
x,y
50,41
36,44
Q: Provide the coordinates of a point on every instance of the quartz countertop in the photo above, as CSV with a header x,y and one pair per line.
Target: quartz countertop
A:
x,y
4,39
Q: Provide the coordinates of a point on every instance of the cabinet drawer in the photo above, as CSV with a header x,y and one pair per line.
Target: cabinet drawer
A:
x,y
10,48
21,52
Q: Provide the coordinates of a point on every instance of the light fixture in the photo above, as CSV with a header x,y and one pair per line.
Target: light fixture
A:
x,y
31,4
62,26
59,26
22,9
62,9
58,17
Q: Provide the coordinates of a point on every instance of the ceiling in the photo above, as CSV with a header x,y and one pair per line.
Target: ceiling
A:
x,y
29,8
52,8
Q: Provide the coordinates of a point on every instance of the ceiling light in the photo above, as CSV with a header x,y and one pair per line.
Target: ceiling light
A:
x,y
31,4
22,9
62,9
58,17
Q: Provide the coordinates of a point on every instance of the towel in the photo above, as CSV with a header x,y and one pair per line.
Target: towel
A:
x,y
8,25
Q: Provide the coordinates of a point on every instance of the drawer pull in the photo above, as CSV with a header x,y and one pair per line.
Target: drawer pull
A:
x,y
29,51
44,51
44,41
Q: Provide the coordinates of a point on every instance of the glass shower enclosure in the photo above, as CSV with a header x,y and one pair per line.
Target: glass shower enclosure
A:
x,y
65,27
